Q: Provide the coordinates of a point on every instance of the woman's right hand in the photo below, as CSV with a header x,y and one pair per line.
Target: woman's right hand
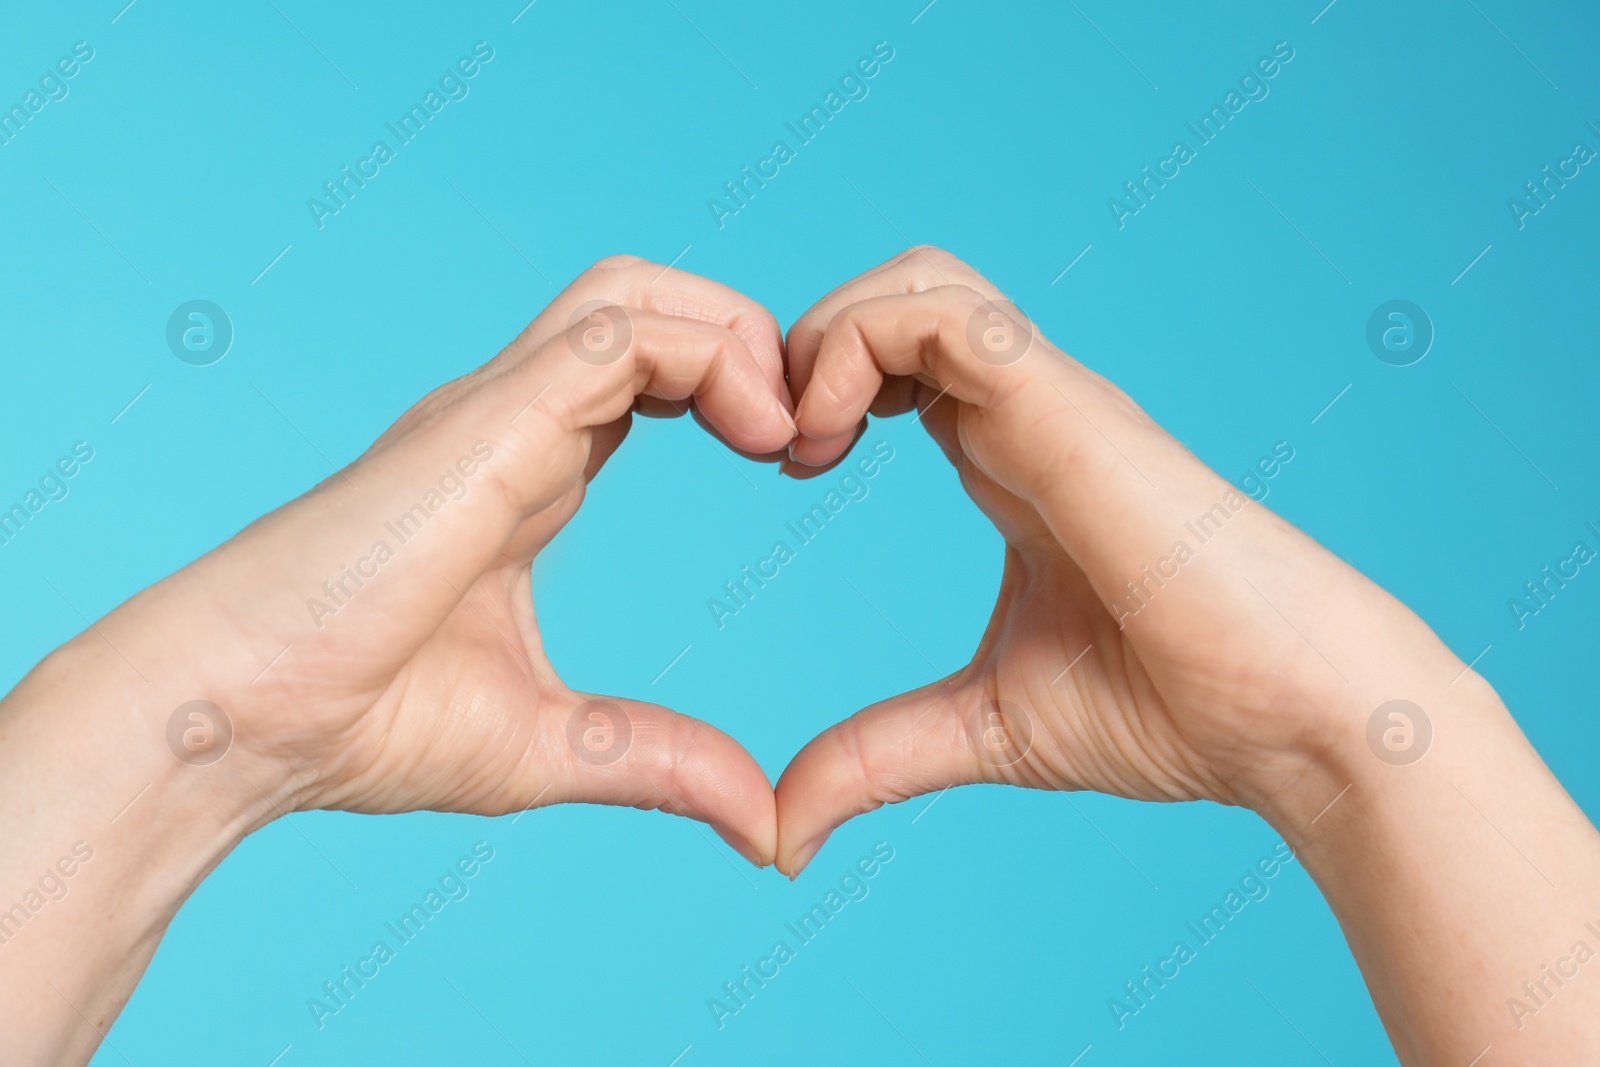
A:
x,y
1159,636
1215,651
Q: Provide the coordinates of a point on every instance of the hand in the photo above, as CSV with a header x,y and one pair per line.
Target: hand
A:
x,y
374,647
1214,650
393,601
1158,636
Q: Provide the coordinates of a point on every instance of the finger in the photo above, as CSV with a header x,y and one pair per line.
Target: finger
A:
x,y
653,407
629,752
544,411
630,281
626,281
624,354
1117,492
912,271
656,408
603,444
715,435
805,471
896,397
536,531
915,743
954,338
423,514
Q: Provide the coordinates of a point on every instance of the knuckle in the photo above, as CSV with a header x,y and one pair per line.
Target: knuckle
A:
x,y
855,754
755,329
613,278
928,266
620,261
826,398
955,305
934,256
918,251
959,294
759,322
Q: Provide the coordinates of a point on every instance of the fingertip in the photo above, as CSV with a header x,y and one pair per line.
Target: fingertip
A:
x,y
805,471
759,330
906,746
747,821
735,401
759,857
645,755
805,854
816,794
821,451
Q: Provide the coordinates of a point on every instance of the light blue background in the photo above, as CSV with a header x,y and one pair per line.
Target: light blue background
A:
x,y
1007,918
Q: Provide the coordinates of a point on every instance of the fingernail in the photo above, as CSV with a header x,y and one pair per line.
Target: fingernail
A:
x,y
743,847
805,855
788,420
792,444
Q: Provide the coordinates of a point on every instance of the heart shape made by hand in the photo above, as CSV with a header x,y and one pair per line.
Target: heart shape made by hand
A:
x,y
1126,652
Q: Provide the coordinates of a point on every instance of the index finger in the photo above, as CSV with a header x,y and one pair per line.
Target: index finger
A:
x,y
952,339
632,282
915,270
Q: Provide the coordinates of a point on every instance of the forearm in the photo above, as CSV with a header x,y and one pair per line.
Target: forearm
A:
x,y
1463,881
106,833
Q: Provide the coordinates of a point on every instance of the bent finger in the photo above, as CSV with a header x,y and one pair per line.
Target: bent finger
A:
x,y
953,339
636,754
919,742
915,270
630,281
593,374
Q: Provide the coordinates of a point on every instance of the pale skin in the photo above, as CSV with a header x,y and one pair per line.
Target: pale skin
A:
x,y
1247,679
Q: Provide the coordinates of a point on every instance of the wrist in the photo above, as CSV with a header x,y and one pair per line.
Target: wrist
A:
x,y
152,727
89,784
1382,704
1376,743
1453,860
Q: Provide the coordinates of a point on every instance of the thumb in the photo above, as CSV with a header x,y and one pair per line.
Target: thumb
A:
x,y
929,739
629,752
